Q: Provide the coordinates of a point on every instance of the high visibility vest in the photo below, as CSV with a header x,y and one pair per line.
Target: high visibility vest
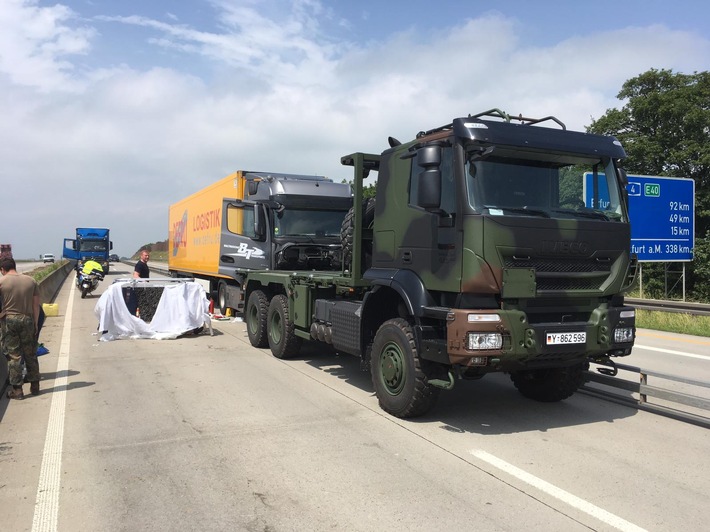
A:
x,y
91,265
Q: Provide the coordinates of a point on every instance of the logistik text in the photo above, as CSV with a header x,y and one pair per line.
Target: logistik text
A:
x,y
206,220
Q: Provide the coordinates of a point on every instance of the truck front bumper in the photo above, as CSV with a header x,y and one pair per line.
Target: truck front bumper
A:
x,y
506,340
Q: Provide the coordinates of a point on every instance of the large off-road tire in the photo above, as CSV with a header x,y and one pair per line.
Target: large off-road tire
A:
x,y
347,234
222,297
400,384
551,384
255,315
283,341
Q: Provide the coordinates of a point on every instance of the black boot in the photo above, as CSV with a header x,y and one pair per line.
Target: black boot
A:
x,y
16,393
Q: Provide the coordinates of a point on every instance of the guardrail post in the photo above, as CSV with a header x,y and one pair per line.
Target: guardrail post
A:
x,y
644,382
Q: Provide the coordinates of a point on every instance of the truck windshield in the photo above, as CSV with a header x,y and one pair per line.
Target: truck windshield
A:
x,y
544,185
93,245
303,222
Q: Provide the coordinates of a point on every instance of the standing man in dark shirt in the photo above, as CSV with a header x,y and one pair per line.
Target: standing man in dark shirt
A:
x,y
141,270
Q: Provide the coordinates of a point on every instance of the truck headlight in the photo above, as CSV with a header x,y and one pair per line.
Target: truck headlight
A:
x,y
623,334
479,341
483,318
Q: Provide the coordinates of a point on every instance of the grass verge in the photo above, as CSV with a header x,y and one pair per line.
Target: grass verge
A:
x,y
675,322
43,271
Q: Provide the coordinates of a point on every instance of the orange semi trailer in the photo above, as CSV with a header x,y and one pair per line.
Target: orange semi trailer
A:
x,y
256,221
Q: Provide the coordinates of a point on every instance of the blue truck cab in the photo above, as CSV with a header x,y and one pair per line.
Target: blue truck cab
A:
x,y
89,243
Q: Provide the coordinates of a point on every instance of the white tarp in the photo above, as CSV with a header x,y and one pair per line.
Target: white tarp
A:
x,y
182,307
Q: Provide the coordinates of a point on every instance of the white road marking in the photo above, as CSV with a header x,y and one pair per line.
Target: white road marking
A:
x,y
46,516
671,352
560,494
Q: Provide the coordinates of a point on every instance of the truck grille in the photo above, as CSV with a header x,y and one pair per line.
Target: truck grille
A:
x,y
559,265
559,274
569,284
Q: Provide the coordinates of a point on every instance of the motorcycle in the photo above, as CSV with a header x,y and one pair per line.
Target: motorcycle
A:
x,y
87,282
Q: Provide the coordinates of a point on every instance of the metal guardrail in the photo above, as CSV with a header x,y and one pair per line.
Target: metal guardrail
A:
x,y
696,309
644,391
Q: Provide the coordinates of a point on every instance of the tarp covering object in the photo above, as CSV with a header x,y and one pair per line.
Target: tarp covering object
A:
x,y
182,308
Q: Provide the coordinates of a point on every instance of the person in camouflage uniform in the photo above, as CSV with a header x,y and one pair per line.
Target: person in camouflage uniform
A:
x,y
19,317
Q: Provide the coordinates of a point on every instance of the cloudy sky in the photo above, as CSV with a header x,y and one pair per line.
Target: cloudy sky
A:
x,y
111,110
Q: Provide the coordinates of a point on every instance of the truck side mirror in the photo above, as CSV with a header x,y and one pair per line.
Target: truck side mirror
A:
x,y
259,223
429,156
110,245
429,190
429,179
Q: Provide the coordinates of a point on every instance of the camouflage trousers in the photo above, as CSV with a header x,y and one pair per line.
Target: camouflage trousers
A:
x,y
19,342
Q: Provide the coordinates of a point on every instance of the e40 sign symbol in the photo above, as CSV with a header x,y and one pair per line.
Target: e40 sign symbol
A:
x,y
652,189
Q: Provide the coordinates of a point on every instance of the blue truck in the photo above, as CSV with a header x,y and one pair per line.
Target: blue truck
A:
x,y
89,243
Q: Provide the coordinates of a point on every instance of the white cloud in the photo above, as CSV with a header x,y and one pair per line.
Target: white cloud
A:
x,y
261,90
36,45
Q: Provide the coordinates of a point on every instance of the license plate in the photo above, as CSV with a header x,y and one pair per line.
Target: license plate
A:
x,y
566,338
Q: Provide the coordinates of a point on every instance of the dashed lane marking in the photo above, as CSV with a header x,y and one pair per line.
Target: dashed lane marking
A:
x,y
558,493
671,352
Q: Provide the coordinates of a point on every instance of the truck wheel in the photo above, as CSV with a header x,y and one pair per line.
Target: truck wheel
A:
x,y
400,384
347,234
551,384
256,314
281,331
222,297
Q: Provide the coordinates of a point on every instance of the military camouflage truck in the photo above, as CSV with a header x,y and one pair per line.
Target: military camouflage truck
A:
x,y
494,244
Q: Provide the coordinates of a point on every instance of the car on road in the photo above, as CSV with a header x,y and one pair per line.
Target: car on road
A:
x,y
113,258
48,257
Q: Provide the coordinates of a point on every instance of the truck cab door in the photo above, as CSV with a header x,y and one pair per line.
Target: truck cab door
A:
x,y
240,246
418,227
70,250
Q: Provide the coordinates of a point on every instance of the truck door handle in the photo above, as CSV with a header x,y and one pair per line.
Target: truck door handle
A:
x,y
407,257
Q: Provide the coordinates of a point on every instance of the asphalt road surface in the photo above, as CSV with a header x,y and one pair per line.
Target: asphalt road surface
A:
x,y
208,433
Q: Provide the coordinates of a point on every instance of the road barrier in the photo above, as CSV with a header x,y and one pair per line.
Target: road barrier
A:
x,y
686,307
49,286
638,393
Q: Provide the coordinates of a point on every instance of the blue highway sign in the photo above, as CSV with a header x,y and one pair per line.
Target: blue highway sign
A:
x,y
662,212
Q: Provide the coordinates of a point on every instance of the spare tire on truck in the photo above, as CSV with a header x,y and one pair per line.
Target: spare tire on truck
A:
x,y
347,232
